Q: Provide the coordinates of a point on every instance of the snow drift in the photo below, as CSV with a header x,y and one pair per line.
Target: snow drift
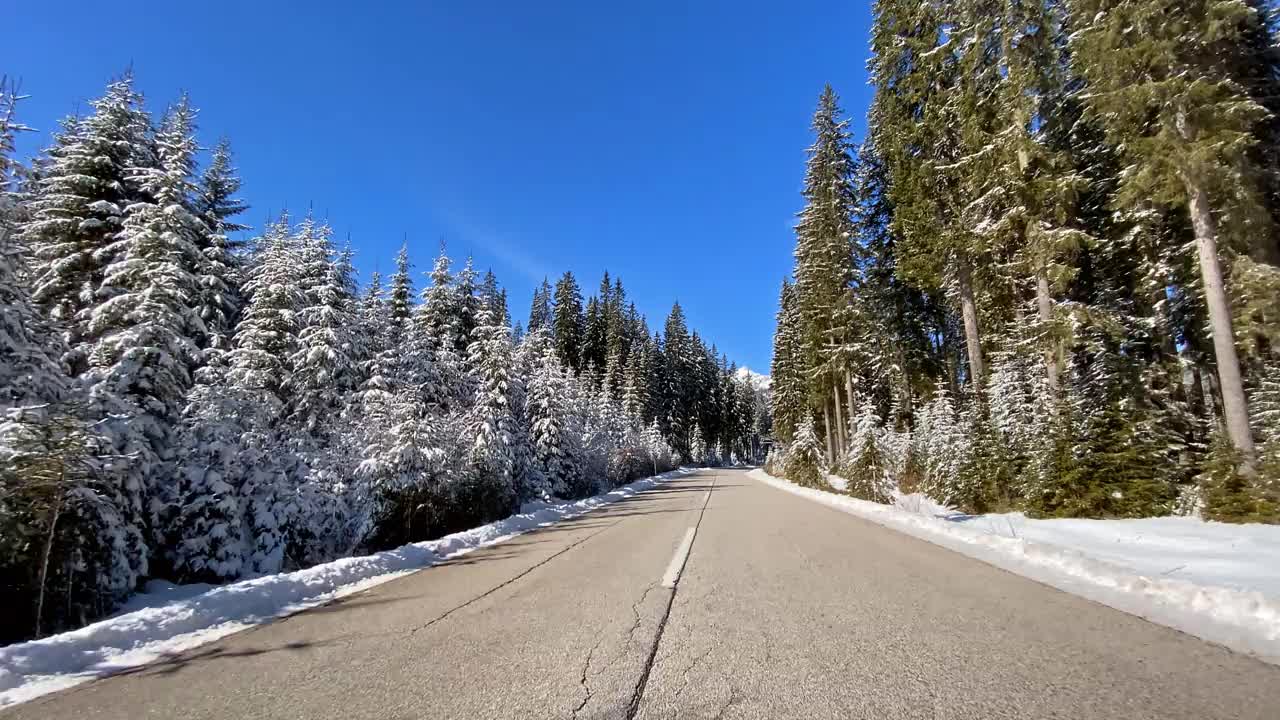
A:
x,y
170,618
1124,564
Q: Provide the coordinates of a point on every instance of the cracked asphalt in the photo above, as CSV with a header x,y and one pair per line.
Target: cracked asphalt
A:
x,y
785,609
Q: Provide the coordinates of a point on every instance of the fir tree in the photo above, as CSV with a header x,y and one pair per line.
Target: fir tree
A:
x,y
78,205
540,316
568,322
805,465
1177,102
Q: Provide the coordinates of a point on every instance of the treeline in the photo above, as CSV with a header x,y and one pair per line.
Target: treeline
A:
x,y
179,403
1047,279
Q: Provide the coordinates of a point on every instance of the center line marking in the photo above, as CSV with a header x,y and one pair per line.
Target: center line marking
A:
x,y
677,563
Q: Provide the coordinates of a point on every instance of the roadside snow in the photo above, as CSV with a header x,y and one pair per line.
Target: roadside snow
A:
x,y
170,618
1218,582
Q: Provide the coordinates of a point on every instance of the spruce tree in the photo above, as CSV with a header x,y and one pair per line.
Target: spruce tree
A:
x,y
78,205
789,384
1174,96
805,464
146,329
540,311
824,271
569,323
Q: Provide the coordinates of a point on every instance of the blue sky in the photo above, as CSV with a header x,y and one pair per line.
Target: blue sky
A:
x,y
661,141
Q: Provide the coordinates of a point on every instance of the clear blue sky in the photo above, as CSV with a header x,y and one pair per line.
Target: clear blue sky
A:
x,y
663,141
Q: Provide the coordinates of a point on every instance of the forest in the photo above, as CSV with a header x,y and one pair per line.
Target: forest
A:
x,y
183,398
1046,279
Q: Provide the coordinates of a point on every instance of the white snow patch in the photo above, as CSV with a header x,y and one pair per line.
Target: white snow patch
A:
x,y
755,379
170,618
1215,581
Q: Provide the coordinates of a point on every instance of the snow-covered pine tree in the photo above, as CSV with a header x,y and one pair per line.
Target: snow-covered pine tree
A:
x,y
437,322
221,271
489,486
259,369
868,465
941,446
1175,99
467,304
635,390
787,371
805,460
540,315
60,531
146,328
213,541
77,207
824,270
323,368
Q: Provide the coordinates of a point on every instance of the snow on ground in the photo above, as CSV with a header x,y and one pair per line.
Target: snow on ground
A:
x,y
1216,581
171,618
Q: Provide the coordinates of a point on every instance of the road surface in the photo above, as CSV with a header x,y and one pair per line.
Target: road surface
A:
x,y
772,607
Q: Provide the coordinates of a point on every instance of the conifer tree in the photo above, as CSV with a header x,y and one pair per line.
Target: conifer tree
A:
x,y
824,271
787,372
78,206
145,330
569,323
540,311
492,474
219,272
804,464
1176,99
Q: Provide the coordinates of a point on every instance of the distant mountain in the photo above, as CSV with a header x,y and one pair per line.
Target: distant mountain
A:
x,y
758,381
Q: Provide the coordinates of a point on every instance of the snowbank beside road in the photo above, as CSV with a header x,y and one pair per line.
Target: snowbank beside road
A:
x,y
1217,582
169,619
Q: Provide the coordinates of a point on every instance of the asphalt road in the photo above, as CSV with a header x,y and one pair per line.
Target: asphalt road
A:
x,y
784,609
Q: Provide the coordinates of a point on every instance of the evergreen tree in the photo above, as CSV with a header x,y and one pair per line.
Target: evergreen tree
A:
x,y
805,465
492,473
145,330
1176,100
568,324
220,271
87,181
540,312
868,467
824,271
787,372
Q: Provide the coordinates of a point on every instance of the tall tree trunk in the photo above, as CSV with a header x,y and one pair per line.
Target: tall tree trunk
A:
x,y
848,391
969,313
841,444
906,408
1235,408
47,552
1052,353
826,415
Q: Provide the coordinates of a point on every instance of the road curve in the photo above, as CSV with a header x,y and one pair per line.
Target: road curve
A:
x,y
714,596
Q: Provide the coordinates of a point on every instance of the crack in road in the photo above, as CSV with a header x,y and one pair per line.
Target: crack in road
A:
x,y
733,697
684,677
507,582
637,694
586,669
635,610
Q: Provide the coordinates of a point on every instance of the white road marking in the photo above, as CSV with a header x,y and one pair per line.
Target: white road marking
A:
x,y
677,563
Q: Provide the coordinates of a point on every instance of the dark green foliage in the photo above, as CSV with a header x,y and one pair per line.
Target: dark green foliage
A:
x,y
986,477
1229,496
1115,472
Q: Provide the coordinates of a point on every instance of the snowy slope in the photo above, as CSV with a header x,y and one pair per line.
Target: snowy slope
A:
x,y
1218,582
758,381
169,618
